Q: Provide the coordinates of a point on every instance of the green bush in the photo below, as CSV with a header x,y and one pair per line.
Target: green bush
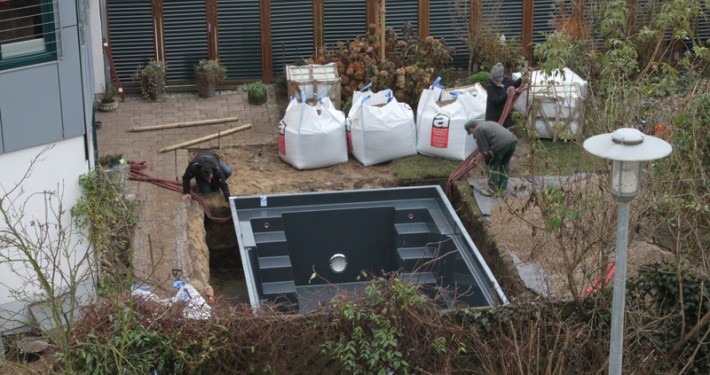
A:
x,y
257,93
680,300
480,77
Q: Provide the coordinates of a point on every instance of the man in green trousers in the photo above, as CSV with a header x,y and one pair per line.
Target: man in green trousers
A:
x,y
497,144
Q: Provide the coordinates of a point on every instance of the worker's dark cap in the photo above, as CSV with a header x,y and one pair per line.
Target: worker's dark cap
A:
x,y
468,124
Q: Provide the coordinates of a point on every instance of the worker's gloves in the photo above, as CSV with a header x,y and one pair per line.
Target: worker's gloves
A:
x,y
488,157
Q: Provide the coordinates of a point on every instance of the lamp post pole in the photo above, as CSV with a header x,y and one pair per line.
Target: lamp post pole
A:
x,y
618,303
626,148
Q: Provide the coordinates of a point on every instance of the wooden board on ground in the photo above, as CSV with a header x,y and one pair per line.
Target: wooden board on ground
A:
x,y
184,124
205,138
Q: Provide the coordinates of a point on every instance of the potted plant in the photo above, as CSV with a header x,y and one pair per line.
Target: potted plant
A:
x,y
108,102
116,169
208,75
152,80
257,93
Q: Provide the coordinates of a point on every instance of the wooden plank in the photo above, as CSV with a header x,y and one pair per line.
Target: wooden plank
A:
x,y
371,7
184,124
528,13
158,29
266,58
205,138
424,18
212,29
318,21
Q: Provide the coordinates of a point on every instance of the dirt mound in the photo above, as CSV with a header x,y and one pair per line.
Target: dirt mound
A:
x,y
259,171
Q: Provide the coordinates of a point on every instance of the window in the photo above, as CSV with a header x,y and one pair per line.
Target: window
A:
x,y
27,32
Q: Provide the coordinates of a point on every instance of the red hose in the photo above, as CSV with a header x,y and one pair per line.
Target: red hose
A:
x,y
476,156
511,101
137,175
463,168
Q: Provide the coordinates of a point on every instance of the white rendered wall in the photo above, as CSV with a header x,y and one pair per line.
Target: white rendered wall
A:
x,y
57,169
97,52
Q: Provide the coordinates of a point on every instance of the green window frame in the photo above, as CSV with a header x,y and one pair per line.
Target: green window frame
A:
x,y
19,16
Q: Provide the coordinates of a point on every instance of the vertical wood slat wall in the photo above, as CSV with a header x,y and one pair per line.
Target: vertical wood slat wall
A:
x,y
421,22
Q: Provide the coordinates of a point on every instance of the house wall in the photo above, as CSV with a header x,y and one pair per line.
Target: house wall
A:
x,y
57,169
46,143
95,27
46,103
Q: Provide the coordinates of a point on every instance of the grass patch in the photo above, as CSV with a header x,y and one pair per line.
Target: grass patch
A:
x,y
550,159
562,158
422,167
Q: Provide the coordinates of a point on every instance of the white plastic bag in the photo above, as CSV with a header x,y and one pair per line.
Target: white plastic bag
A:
x,y
196,307
440,126
380,128
312,136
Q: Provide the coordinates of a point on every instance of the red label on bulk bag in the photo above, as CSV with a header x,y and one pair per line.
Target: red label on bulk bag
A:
x,y
282,138
349,134
440,131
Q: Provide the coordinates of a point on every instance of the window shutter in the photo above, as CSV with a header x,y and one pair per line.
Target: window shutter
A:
x,y
291,32
240,38
344,20
130,25
446,23
185,24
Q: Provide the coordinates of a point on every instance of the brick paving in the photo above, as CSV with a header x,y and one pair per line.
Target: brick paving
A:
x,y
160,238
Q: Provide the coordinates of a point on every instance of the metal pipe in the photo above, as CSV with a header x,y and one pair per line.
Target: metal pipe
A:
x,y
616,345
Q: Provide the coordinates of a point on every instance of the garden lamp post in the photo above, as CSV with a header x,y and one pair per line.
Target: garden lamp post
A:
x,y
627,149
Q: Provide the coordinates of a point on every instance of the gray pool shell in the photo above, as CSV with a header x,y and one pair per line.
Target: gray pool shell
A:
x,y
299,250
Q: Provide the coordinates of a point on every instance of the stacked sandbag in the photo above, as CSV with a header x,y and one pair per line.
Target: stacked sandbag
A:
x,y
312,136
380,128
440,123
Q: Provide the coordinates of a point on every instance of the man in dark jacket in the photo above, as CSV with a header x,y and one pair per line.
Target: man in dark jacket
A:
x,y
497,144
497,90
210,173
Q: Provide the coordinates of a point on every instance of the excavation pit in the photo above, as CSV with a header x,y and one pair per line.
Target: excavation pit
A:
x,y
300,250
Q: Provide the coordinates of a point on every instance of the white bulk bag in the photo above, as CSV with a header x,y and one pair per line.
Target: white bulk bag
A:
x,y
476,90
560,96
380,128
440,130
312,136
562,85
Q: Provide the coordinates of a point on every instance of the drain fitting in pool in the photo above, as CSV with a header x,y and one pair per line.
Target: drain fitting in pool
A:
x,y
338,263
